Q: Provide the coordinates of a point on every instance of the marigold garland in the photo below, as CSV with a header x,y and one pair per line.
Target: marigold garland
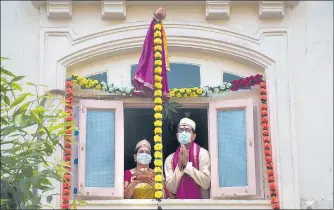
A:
x,y
268,147
158,110
66,187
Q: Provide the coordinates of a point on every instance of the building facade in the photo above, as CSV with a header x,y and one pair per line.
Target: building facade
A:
x,y
289,42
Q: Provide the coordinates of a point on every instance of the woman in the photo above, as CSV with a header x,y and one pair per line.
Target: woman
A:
x,y
139,181
143,79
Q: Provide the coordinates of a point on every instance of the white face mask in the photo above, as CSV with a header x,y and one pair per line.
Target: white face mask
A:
x,y
184,137
144,158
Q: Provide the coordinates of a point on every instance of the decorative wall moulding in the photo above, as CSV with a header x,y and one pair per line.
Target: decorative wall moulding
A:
x,y
113,10
271,9
217,10
59,9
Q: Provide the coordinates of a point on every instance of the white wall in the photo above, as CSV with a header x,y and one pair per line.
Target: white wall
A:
x,y
311,25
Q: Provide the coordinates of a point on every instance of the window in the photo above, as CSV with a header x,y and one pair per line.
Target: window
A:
x,y
101,77
181,75
101,148
232,147
228,77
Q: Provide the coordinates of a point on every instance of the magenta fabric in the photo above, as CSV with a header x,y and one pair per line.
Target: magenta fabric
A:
x,y
188,189
143,78
127,176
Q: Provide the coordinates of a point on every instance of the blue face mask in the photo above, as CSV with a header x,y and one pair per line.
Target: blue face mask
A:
x,y
184,137
144,158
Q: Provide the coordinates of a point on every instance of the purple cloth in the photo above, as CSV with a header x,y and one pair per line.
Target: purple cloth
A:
x,y
143,79
188,189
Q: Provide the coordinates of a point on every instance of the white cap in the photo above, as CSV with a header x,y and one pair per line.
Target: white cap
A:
x,y
143,143
187,121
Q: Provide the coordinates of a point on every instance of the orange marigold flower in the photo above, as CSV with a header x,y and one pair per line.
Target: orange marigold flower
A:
x,y
68,84
264,106
67,158
267,145
264,119
68,145
66,198
264,112
262,84
268,159
68,151
266,139
272,185
270,172
263,90
267,152
66,185
269,165
65,206
66,191
271,179
67,176
263,97
265,132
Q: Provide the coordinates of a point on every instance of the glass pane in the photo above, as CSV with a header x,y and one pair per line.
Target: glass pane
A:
x,y
99,77
232,151
227,77
100,148
180,75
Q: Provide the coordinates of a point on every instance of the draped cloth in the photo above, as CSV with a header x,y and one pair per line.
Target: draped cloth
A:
x,y
143,79
188,189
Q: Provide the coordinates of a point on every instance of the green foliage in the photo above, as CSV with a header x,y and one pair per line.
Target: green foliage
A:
x,y
32,126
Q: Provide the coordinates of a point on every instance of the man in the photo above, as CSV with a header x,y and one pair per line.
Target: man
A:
x,y
187,170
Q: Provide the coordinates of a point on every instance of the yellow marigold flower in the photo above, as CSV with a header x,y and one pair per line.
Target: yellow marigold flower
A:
x,y
195,88
193,95
158,63
158,186
157,170
158,154
157,48
85,81
157,34
157,93
157,78
87,86
157,131
158,85
178,95
175,89
188,91
157,41
158,100
75,81
81,83
96,81
158,162
199,91
185,95
157,108
182,90
158,194
157,138
98,87
157,55
79,78
158,116
158,178
158,123
172,93
158,70
91,84
158,146
157,26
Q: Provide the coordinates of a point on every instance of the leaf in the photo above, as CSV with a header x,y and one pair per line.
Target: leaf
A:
x,y
24,184
17,78
49,198
36,118
81,202
28,171
74,204
19,121
6,99
20,99
35,180
4,58
16,86
39,109
4,71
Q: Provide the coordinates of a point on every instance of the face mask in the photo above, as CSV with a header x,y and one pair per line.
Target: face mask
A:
x,y
184,137
144,158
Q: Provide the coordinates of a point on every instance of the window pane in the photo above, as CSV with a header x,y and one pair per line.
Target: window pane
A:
x,y
99,77
227,77
100,148
181,75
232,151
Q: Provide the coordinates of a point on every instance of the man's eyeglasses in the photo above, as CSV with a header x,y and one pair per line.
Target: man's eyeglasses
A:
x,y
180,130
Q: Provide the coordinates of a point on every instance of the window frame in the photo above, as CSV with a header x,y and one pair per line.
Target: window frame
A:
x,y
115,192
223,192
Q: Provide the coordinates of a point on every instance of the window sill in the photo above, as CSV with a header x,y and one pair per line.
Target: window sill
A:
x,y
180,204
